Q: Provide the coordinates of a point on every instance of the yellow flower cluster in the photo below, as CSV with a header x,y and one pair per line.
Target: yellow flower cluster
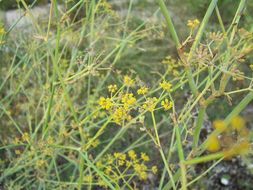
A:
x,y
150,104
173,66
120,158
193,23
112,88
251,66
132,154
144,156
154,169
2,31
128,81
120,115
140,169
142,90
121,106
25,137
123,166
40,163
166,104
105,103
166,85
233,138
128,99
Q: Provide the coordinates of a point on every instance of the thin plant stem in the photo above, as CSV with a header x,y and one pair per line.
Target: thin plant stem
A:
x,y
199,123
161,151
169,22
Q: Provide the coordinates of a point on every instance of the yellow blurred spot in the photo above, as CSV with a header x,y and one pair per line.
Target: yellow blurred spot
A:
x,y
213,144
237,123
219,125
240,148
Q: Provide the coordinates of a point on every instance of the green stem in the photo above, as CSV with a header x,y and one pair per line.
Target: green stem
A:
x,y
244,102
236,19
197,40
204,158
181,158
198,126
161,151
170,25
202,28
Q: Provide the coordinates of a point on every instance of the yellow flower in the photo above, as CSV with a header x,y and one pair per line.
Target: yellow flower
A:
x,y
219,125
108,170
25,137
150,104
17,152
109,159
95,143
166,85
112,88
128,99
144,156
238,123
16,140
87,178
99,164
120,162
142,90
154,169
213,144
132,154
140,170
40,163
193,23
102,183
2,31
240,148
166,104
128,81
143,175
119,155
120,115
50,140
105,103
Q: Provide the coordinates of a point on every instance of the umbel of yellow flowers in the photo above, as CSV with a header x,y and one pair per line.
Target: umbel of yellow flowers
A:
x,y
233,139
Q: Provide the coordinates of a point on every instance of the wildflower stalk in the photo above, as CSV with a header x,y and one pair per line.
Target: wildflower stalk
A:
x,y
169,22
204,158
189,74
161,151
175,38
236,19
199,35
202,28
181,158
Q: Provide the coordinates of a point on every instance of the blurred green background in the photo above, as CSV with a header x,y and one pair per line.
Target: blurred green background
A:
x,y
195,8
